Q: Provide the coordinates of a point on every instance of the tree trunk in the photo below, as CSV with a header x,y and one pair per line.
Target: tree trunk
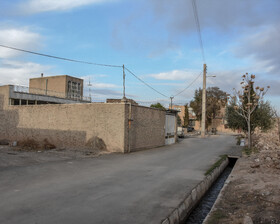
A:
x,y
249,136
249,131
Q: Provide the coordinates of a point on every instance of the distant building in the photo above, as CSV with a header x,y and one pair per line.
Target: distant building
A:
x,y
121,100
61,86
181,114
62,89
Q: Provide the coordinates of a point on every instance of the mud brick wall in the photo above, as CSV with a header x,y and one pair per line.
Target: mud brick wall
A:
x,y
147,128
65,125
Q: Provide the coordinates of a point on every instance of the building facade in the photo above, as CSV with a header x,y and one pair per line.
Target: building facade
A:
x,y
181,115
60,86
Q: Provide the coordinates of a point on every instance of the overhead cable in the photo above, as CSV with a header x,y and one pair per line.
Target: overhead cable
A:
x,y
188,85
145,82
196,18
60,58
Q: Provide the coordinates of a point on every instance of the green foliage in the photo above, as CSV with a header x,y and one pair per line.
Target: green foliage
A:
x,y
262,118
215,99
186,117
179,121
216,164
234,120
238,139
248,151
158,105
196,103
217,216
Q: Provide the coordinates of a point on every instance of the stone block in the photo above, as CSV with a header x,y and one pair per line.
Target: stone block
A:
x,y
188,203
182,212
174,217
194,195
166,221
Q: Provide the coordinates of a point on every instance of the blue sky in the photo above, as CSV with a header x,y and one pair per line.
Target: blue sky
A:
x,y
156,39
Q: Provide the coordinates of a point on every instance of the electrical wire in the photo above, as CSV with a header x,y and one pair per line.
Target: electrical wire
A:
x,y
60,58
188,85
144,82
196,18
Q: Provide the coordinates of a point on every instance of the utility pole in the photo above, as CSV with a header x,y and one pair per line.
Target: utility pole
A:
x,y
203,120
123,82
171,98
89,90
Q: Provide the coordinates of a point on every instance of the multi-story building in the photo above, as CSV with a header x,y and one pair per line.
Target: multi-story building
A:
x,y
61,86
48,90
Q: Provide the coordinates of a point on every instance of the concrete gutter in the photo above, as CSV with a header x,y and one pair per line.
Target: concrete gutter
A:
x,y
181,212
222,191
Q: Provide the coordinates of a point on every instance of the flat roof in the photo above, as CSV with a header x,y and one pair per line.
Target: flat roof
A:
x,y
55,76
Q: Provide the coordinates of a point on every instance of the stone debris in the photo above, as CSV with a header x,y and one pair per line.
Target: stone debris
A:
x,y
268,146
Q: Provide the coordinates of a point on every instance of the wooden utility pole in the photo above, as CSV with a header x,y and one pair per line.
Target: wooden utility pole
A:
x,y
203,119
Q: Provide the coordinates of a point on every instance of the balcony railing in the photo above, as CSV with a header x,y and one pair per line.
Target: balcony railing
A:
x,y
44,92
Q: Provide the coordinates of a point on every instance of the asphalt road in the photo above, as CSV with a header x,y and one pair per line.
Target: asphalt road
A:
x,y
141,187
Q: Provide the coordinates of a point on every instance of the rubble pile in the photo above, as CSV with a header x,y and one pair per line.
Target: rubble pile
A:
x,y
267,140
268,145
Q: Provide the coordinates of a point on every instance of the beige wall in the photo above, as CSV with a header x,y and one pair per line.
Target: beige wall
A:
x,y
121,127
55,84
66,125
146,128
4,97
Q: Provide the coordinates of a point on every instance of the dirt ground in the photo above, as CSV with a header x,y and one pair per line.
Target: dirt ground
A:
x,y
18,156
252,191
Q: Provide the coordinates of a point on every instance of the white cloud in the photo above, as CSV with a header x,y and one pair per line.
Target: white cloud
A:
x,y
19,73
13,70
20,38
96,84
38,6
176,75
103,85
262,47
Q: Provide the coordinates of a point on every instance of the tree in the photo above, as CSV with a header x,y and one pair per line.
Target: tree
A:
x,y
262,118
186,116
158,105
179,121
251,111
215,100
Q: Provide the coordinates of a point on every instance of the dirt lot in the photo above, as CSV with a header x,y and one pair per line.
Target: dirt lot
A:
x,y
252,192
18,156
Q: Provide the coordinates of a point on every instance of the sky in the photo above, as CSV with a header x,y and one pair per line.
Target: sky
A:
x,y
155,39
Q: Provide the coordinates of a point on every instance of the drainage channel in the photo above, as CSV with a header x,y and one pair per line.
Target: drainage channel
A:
x,y
200,212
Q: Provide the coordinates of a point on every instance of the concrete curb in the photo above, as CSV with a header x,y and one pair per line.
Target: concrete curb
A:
x,y
181,212
221,192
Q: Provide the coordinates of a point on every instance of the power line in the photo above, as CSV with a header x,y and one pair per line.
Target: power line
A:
x,y
60,58
188,85
198,28
145,82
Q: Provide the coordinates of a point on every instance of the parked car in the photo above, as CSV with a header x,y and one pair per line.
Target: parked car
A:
x,y
190,129
180,132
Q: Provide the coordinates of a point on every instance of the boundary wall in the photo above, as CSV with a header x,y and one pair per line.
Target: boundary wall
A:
x,y
115,127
